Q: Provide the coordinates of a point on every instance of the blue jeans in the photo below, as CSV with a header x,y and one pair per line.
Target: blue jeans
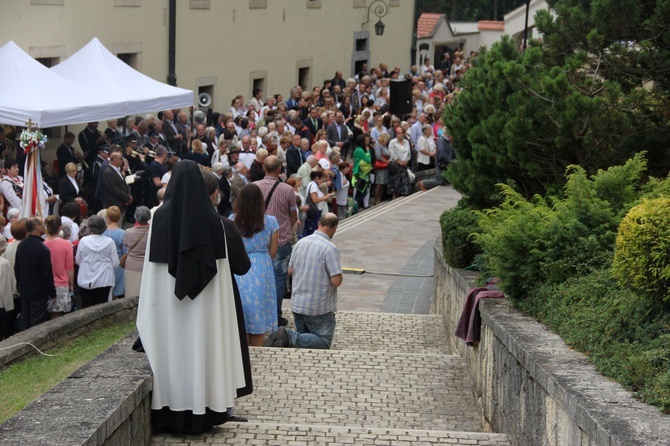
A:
x,y
280,266
312,331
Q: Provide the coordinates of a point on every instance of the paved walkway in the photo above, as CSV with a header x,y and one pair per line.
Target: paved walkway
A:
x,y
389,378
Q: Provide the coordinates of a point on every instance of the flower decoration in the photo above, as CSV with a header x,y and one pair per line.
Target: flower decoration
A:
x,y
32,139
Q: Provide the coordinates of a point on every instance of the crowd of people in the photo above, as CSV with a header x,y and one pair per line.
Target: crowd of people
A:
x,y
280,172
339,149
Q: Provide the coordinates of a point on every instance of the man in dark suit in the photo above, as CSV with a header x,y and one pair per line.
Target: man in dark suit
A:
x,y
337,132
90,139
293,156
66,153
238,182
117,192
224,207
313,122
174,137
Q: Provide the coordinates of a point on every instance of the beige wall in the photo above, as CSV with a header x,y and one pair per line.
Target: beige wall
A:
x,y
219,42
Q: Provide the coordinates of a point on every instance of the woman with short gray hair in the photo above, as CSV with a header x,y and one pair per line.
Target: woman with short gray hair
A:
x,y
97,258
135,242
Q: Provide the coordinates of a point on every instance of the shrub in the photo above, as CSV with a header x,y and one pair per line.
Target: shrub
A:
x,y
617,329
458,224
642,253
529,242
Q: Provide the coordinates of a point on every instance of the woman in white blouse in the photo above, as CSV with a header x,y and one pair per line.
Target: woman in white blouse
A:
x,y
400,156
425,147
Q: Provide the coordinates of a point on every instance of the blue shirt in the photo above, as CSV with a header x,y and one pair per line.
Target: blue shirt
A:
x,y
315,259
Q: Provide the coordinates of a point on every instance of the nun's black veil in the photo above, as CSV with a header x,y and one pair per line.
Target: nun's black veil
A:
x,y
186,232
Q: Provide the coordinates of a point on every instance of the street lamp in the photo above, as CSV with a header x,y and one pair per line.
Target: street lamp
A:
x,y
380,9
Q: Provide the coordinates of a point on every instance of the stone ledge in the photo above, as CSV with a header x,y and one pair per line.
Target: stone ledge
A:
x,y
106,401
603,409
73,324
315,434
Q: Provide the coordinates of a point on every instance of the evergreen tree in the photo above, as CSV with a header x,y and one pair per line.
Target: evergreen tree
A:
x,y
592,93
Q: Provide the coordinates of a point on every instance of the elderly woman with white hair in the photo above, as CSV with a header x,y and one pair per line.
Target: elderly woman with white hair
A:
x,y
135,242
12,216
97,258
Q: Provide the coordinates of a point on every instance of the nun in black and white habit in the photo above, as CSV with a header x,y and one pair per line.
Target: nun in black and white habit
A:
x,y
190,317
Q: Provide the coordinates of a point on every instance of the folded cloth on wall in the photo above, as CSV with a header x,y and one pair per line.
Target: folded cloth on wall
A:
x,y
470,323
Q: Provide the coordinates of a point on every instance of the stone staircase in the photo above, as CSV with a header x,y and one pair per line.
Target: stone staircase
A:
x,y
388,380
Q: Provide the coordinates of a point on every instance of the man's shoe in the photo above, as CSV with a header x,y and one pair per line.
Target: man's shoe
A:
x,y
236,419
277,338
282,321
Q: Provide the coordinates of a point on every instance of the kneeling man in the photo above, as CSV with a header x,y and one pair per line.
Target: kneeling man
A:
x,y
315,267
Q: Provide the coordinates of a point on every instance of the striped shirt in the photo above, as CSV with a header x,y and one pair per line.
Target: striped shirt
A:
x,y
315,259
282,205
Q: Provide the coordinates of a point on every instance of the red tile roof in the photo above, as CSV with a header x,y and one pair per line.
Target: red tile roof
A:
x,y
491,25
427,24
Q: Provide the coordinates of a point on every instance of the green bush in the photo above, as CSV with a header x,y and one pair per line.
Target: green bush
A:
x,y
618,330
529,242
458,224
642,253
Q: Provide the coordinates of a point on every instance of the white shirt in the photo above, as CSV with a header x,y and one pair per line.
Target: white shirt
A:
x,y
74,233
313,187
426,144
218,158
74,183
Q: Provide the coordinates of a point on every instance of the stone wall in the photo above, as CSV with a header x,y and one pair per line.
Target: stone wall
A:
x,y
532,386
105,402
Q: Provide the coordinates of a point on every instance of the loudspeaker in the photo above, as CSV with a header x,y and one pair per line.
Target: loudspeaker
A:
x,y
401,97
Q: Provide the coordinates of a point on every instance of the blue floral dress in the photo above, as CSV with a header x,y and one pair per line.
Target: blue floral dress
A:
x,y
257,286
119,273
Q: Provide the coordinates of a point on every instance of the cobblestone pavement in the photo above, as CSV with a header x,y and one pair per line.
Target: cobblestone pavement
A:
x,y
389,378
372,331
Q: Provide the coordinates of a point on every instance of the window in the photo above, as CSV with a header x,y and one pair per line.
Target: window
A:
x,y
361,44
131,59
199,4
358,65
258,4
47,2
304,78
133,3
258,84
48,61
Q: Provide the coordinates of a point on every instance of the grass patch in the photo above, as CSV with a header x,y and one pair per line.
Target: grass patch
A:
x,y
23,382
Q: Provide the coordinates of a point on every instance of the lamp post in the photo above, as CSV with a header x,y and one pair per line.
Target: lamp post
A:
x,y
380,9
525,29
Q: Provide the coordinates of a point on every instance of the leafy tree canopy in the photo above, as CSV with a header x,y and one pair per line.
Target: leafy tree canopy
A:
x,y
592,93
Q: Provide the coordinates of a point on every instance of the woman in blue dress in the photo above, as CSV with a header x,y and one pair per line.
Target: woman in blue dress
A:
x,y
115,233
257,286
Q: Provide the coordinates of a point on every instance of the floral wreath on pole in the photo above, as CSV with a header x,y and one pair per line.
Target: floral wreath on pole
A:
x,y
32,138
32,141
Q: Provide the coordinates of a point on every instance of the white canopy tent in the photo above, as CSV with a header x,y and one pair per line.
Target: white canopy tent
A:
x,y
30,91
94,67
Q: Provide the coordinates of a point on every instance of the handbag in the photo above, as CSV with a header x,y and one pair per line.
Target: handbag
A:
x,y
122,260
312,210
381,165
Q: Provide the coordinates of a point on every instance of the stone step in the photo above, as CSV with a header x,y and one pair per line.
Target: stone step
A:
x,y
364,389
387,332
278,434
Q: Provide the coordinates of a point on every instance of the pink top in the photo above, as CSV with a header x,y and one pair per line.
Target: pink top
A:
x,y
62,260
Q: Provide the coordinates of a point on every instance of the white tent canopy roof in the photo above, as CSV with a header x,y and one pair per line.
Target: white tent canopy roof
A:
x,y
94,67
29,90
